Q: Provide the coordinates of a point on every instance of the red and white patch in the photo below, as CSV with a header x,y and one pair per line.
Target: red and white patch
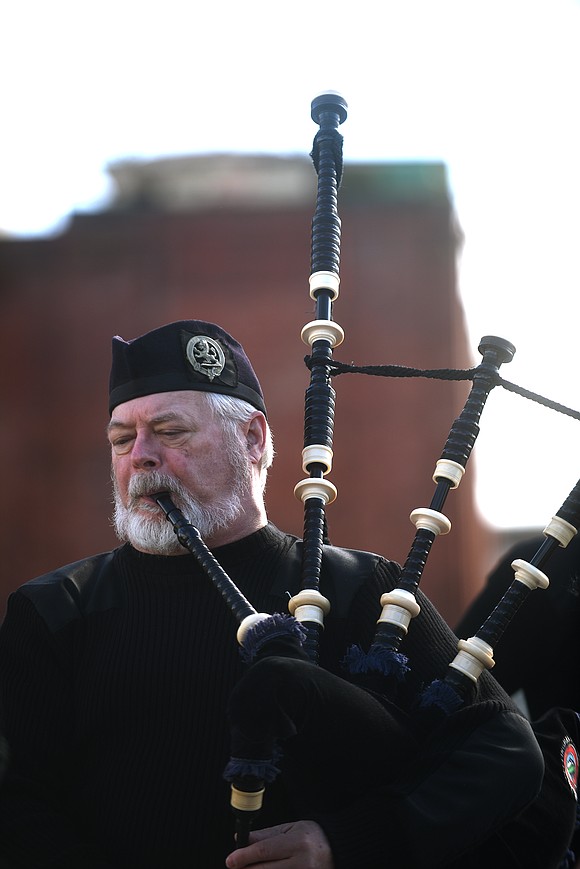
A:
x,y
569,756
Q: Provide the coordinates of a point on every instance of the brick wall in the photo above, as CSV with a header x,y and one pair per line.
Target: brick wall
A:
x,y
242,262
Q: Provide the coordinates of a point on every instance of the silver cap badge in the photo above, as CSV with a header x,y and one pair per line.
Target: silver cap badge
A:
x,y
205,356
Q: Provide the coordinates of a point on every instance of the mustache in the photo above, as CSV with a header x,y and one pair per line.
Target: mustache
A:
x,y
150,484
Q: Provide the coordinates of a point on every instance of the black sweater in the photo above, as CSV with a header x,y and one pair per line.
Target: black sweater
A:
x,y
114,678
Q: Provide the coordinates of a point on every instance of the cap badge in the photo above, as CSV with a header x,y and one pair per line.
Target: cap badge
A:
x,y
205,356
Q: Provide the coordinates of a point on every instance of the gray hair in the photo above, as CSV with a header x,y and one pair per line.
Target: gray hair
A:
x,y
233,412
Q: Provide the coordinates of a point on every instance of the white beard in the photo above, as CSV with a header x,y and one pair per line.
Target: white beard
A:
x,y
145,526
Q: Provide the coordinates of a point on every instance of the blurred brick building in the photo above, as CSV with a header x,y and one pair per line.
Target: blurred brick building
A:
x,y
227,238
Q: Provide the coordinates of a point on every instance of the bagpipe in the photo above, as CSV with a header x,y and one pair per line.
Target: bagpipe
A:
x,y
286,699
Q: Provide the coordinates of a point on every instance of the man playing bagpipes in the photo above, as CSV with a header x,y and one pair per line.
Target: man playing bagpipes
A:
x,y
121,681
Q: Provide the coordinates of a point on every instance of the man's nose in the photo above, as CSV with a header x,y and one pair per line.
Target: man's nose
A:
x,y
145,452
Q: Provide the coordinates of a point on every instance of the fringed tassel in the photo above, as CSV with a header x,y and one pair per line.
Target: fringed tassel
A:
x,y
441,695
277,626
244,767
569,861
377,660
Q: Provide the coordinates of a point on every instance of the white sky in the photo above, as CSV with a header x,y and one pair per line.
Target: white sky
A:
x,y
492,88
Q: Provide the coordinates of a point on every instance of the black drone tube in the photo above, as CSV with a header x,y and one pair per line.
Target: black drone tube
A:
x,y
328,111
400,605
323,334
455,455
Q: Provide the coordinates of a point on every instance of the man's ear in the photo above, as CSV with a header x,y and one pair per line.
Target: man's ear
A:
x,y
256,436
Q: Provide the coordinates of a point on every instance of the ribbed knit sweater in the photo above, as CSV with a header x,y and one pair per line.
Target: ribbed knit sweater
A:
x,y
114,707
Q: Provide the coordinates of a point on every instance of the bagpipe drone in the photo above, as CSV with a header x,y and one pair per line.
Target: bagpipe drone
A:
x,y
283,680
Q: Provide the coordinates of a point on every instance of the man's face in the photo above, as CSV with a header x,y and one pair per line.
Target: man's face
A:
x,y
172,441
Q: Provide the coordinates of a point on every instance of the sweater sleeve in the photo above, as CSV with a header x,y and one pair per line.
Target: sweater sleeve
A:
x,y
37,707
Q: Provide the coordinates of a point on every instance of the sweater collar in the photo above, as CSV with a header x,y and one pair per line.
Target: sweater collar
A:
x,y
246,548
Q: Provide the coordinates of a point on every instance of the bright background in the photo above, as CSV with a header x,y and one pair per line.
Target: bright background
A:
x,y
491,88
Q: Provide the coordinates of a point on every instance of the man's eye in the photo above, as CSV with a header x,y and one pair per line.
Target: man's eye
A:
x,y
121,444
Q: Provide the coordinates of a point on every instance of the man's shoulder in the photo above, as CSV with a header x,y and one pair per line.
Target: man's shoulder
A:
x,y
73,590
336,557
343,571
351,559
346,571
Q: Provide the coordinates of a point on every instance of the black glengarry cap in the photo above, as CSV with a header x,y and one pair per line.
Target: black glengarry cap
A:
x,y
188,354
